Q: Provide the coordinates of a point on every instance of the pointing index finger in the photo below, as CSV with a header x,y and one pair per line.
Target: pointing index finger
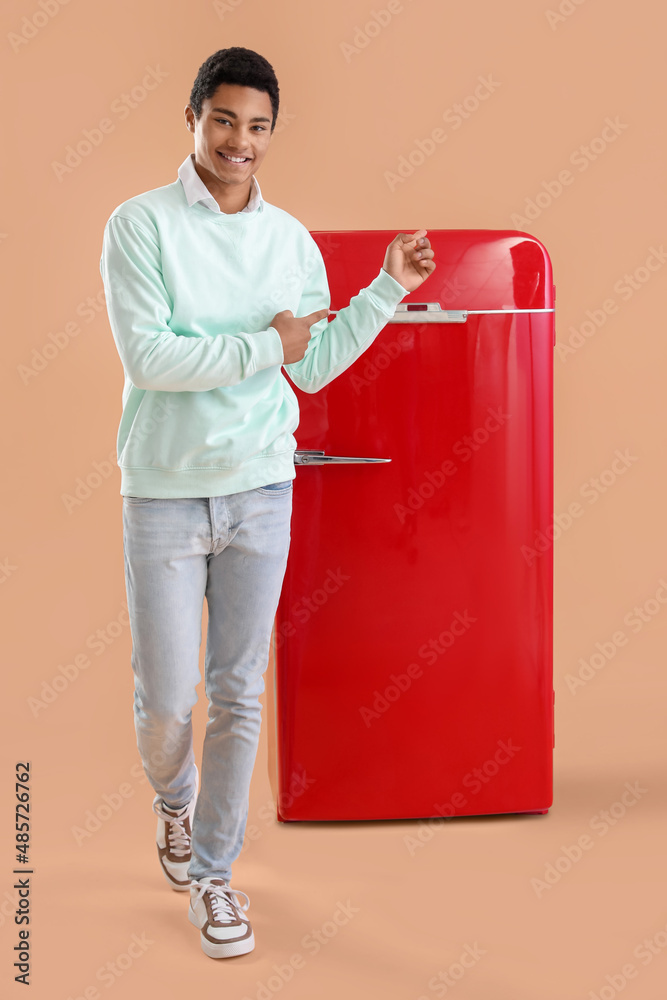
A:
x,y
314,317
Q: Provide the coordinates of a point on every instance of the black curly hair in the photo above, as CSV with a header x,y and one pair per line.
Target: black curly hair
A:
x,y
234,65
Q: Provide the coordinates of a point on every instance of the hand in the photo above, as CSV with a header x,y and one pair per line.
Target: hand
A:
x,y
294,332
409,259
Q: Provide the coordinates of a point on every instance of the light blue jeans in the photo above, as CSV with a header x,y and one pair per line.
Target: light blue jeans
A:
x,y
233,551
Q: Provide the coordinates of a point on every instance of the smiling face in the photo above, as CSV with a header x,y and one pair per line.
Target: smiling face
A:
x,y
234,123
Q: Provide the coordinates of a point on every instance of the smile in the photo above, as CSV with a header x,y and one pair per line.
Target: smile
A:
x,y
234,159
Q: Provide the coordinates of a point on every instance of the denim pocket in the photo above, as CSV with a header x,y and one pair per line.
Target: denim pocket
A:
x,y
276,488
133,500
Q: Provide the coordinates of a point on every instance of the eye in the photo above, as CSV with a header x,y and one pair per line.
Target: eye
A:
x,y
262,128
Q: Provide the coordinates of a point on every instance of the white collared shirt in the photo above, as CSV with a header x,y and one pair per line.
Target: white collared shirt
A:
x,y
196,190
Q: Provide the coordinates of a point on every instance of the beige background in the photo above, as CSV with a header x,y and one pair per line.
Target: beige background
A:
x,y
469,886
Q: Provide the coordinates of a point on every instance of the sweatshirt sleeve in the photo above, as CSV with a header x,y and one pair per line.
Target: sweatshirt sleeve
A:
x,y
335,345
139,309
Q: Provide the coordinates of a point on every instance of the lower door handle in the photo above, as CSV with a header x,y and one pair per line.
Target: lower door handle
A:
x,y
310,457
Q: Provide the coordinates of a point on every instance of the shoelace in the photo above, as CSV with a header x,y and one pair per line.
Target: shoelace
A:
x,y
178,839
221,904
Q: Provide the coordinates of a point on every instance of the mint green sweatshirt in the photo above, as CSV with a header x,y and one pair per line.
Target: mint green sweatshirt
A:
x,y
190,293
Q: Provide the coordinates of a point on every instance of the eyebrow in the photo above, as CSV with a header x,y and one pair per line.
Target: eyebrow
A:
x,y
233,114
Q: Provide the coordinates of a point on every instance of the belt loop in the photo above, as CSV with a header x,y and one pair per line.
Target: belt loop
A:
x,y
211,522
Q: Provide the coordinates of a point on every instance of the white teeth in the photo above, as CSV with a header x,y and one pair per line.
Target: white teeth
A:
x,y
235,159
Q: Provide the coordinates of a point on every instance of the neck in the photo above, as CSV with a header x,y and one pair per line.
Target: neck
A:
x,y
230,198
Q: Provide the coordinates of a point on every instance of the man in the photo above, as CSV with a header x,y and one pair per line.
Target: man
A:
x,y
210,292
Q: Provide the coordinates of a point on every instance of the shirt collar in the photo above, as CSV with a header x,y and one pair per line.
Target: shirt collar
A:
x,y
195,189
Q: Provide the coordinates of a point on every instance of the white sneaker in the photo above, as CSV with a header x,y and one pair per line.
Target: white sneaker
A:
x,y
173,839
214,909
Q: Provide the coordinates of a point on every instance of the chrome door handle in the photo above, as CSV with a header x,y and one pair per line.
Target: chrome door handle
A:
x,y
427,312
424,312
432,312
311,457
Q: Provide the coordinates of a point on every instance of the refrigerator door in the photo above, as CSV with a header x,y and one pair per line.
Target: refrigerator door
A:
x,y
413,639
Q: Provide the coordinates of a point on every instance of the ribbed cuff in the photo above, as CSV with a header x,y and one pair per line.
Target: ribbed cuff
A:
x,y
386,291
268,348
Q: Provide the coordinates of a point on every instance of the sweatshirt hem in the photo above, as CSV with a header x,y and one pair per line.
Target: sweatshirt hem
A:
x,y
164,484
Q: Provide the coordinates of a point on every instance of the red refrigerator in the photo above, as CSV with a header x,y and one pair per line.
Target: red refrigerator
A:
x,y
413,637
